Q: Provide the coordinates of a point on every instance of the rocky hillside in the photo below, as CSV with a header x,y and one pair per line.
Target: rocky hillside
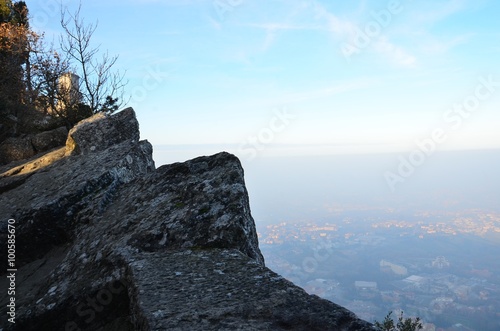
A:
x,y
104,241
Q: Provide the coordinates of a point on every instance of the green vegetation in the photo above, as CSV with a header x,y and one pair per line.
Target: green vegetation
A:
x,y
402,324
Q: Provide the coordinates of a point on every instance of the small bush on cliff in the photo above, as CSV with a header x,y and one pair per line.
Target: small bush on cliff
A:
x,y
402,324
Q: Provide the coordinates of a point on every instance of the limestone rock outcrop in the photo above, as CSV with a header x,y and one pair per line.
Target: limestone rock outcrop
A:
x,y
107,242
100,132
20,148
14,149
47,140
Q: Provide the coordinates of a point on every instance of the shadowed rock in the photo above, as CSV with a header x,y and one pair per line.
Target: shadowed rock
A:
x,y
20,148
14,149
49,139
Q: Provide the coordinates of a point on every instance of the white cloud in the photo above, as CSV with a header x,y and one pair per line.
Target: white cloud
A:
x,y
440,46
435,11
216,24
328,91
339,27
346,31
273,29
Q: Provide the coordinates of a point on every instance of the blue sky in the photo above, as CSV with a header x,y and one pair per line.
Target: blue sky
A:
x,y
301,77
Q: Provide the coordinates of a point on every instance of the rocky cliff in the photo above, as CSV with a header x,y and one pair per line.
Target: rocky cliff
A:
x,y
104,241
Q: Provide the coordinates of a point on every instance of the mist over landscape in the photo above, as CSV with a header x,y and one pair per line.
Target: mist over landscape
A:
x,y
332,225
307,187
311,186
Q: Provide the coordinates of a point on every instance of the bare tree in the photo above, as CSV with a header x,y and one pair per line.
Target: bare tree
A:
x,y
47,66
101,87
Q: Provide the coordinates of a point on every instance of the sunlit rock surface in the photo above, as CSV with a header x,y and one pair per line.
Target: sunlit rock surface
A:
x,y
100,132
107,242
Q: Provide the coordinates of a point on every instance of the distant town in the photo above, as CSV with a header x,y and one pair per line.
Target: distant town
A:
x,y
441,267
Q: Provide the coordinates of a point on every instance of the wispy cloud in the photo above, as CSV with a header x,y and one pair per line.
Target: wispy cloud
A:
x,y
436,12
327,91
277,26
345,30
169,3
338,26
216,24
274,29
395,54
402,46
442,45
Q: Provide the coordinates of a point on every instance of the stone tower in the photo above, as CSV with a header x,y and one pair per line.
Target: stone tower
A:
x,y
68,90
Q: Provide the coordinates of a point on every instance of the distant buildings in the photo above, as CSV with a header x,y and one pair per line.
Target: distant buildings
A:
x,y
440,262
362,285
394,268
366,290
422,286
321,287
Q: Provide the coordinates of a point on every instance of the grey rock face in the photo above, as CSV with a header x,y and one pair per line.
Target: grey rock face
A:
x,y
225,290
202,203
49,139
13,149
49,203
108,243
100,132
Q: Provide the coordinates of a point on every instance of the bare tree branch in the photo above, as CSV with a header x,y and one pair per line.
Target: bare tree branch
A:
x,y
98,80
